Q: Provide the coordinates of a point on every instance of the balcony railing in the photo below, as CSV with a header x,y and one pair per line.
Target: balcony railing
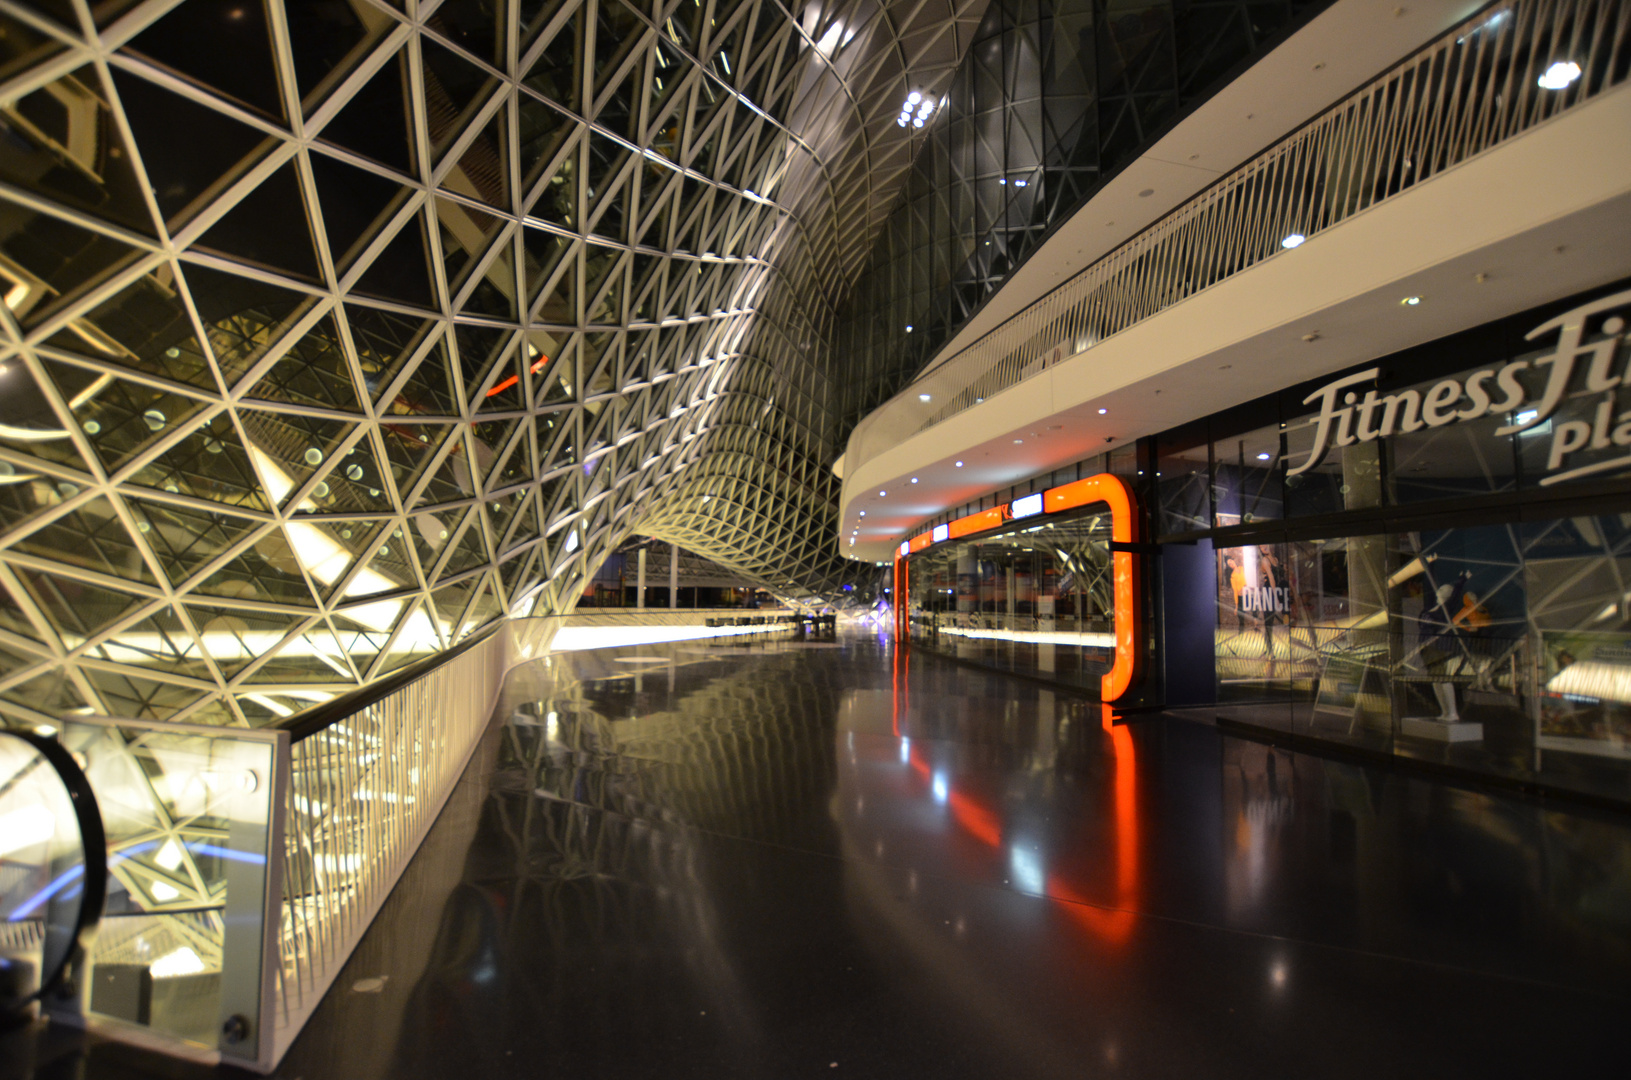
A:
x,y
1511,67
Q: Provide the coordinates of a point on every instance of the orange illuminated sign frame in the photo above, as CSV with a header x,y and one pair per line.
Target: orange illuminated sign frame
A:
x,y
1126,581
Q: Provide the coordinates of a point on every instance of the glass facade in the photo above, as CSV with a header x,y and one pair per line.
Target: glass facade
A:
x,y
1027,597
1433,567
1053,97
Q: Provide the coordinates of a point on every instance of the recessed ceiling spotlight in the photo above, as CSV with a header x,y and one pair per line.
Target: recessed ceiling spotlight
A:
x,y
862,514
1018,442
881,494
959,464
1103,411
1262,457
1295,239
1410,301
1560,76
914,479
908,328
924,397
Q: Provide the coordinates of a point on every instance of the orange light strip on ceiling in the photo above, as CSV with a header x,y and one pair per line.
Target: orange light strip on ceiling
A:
x,y
513,379
1127,588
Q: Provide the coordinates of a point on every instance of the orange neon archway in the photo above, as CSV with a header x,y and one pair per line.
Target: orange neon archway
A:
x,y
1127,585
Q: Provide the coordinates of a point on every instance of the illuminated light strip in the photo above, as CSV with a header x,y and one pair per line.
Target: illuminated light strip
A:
x,y
1037,637
513,379
1127,588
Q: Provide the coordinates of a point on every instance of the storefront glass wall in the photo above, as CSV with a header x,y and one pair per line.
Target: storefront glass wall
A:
x,y
1031,597
1470,603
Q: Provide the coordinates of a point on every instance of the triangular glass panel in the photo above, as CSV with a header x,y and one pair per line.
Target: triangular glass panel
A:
x,y
557,304
489,440
242,317
501,511
454,87
494,293
135,698
431,531
209,463
417,639
327,41
356,205
516,466
359,637
559,431
541,254
62,259
620,112
231,56
554,386
557,74
466,234
479,349
389,570
557,201
120,418
450,602
618,30
428,389
234,637
607,218
410,448
291,447
160,641
476,26
385,342
91,537
515,574
543,129
401,272
469,548
313,656
509,389
144,326
184,538
313,372
602,285
13,618
53,693
668,70
646,275
29,425
185,172
354,485
77,610
377,123
451,482
483,171
33,158
655,232
267,570
483,609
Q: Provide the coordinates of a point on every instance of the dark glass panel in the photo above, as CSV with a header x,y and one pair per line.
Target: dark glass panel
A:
x,y
223,45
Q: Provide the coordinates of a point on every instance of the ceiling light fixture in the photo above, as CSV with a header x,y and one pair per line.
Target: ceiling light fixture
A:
x,y
1410,301
1294,240
881,494
914,479
1262,457
1560,76
959,464
1103,411
924,397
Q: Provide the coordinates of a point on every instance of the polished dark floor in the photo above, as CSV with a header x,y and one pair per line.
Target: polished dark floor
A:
x,y
802,858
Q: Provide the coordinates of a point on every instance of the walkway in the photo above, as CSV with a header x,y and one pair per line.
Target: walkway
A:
x,y
786,859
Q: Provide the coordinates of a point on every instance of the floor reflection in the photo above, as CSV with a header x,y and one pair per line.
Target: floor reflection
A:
x,y
756,860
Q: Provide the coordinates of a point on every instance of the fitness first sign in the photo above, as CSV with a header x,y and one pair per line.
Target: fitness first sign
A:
x,y
1579,399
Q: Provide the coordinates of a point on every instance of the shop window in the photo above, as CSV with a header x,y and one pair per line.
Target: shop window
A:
x,y
1248,474
1183,481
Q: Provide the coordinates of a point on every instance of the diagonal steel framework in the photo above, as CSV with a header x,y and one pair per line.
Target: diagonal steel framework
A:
x,y
335,329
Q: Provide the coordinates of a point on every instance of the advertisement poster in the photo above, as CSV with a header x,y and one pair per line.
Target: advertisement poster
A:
x,y
1585,707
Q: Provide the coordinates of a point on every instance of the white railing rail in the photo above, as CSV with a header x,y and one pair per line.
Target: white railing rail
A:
x,y
363,793
1499,74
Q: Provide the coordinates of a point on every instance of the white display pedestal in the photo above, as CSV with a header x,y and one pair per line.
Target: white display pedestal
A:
x,y
1423,727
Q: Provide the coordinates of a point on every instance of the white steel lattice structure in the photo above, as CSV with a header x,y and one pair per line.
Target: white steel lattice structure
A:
x,y
335,329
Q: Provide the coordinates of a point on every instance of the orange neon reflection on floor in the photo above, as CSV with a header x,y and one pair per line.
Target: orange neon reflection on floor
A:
x,y
1113,924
